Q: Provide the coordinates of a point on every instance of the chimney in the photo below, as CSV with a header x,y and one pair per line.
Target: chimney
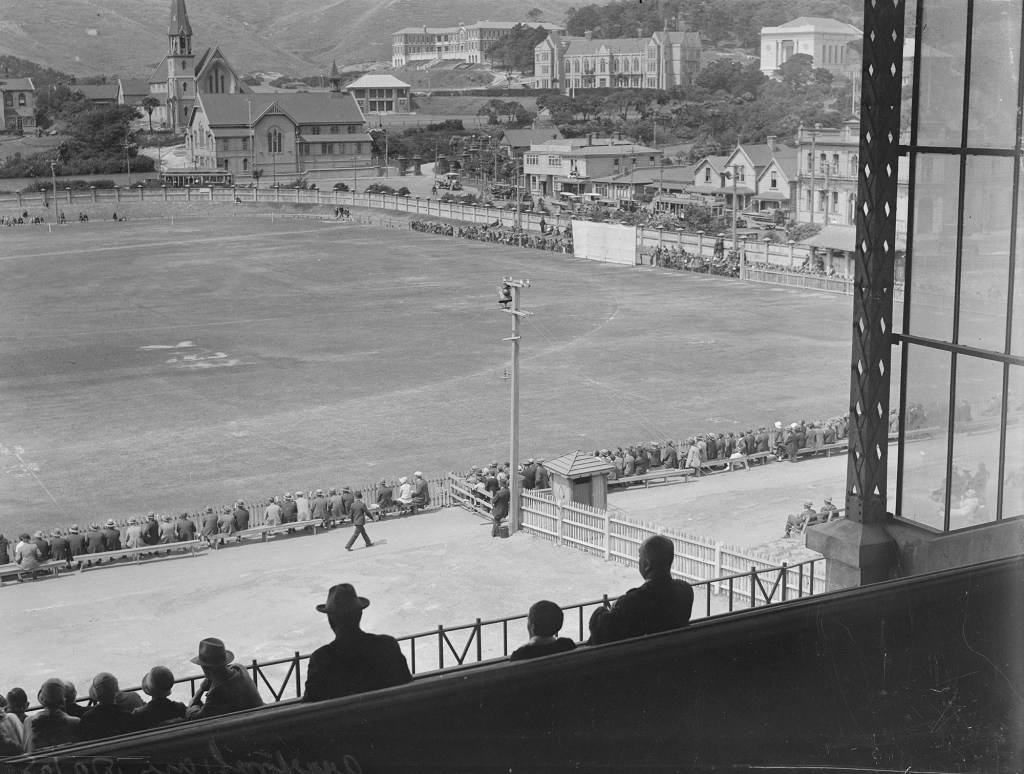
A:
x,y
588,35
590,139
771,142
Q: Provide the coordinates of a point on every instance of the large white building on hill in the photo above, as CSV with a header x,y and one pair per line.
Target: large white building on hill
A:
x,y
826,40
466,42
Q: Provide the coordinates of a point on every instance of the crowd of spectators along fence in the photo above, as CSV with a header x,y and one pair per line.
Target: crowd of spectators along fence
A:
x,y
725,264
559,241
229,522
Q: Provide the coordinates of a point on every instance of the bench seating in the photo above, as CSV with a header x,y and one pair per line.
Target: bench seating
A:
x,y
723,465
839,447
818,518
264,531
667,475
86,561
13,571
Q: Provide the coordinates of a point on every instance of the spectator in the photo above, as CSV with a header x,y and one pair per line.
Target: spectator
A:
x,y
289,510
334,503
661,604
168,531
26,554
318,506
404,491
94,540
358,512
158,683
185,528
670,457
208,527
347,499
129,700
828,511
500,505
225,522
106,718
227,686
420,491
42,544
17,704
12,734
151,530
51,726
529,475
111,536
302,506
241,516
795,521
272,515
385,497
543,481
133,537
543,622
76,542
59,549
355,661
5,554
71,706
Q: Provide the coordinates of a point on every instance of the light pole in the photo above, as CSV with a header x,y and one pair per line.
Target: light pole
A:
x,y
128,157
733,174
509,301
53,176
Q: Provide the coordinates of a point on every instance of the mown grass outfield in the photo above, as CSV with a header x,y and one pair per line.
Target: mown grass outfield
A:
x,y
151,367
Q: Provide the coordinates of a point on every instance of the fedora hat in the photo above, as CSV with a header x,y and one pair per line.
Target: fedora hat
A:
x,y
103,688
158,682
342,599
74,529
213,653
51,693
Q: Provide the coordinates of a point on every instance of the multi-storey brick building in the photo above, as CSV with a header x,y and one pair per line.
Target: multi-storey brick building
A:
x,y
466,42
18,104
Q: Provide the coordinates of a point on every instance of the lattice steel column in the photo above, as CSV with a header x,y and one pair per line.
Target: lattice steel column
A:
x,y
875,260
858,548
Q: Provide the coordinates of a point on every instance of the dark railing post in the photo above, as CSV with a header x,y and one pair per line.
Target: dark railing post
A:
x,y
412,642
730,593
785,580
298,676
800,579
440,646
504,636
479,642
753,583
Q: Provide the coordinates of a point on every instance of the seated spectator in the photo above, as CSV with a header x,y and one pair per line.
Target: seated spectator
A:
x,y
226,522
228,687
241,516
105,718
355,661
289,510
795,521
12,734
404,491
319,506
661,604
76,542
51,726
347,498
150,529
59,547
111,536
168,533
302,507
71,706
42,544
26,554
828,511
208,528
184,528
385,497
94,541
17,704
5,553
129,700
158,683
543,623
272,516
334,504
134,537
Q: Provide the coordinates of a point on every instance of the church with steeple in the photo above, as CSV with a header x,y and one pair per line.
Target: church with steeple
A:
x,y
182,74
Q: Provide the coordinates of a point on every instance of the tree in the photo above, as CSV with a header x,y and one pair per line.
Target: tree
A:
x,y
257,173
534,14
797,71
149,104
515,51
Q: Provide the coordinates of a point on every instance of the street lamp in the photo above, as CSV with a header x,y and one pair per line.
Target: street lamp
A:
x,y
53,176
734,174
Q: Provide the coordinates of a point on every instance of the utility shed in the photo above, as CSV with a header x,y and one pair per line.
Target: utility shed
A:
x,y
580,478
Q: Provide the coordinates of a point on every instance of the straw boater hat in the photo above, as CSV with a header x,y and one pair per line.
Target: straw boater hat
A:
x,y
808,504
158,682
343,599
418,474
828,500
319,492
74,529
111,523
403,480
213,653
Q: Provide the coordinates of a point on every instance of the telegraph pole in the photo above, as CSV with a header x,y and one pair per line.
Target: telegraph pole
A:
x,y
508,299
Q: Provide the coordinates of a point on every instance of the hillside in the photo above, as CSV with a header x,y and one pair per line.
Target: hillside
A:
x,y
128,37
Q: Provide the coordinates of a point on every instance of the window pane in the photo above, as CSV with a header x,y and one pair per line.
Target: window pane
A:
x,y
923,485
936,207
988,205
976,429
1013,480
940,113
995,49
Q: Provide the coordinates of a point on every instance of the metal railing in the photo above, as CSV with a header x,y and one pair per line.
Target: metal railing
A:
x,y
494,639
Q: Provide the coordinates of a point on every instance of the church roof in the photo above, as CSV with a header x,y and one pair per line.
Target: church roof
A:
x,y
577,464
101,92
595,46
334,69
16,84
179,24
133,89
313,107
160,73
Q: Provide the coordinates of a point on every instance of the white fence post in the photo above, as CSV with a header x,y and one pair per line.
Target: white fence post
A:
x,y
607,536
718,566
560,516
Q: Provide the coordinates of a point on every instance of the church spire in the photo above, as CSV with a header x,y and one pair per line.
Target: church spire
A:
x,y
335,77
179,20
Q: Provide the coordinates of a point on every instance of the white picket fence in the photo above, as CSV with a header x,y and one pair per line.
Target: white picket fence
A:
x,y
616,538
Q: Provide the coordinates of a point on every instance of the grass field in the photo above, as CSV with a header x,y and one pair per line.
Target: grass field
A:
x,y
147,367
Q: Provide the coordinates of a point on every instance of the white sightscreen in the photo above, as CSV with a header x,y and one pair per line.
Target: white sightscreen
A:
x,y
607,242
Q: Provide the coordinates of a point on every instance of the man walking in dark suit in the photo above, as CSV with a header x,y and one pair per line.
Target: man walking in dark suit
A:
x,y
358,512
355,661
